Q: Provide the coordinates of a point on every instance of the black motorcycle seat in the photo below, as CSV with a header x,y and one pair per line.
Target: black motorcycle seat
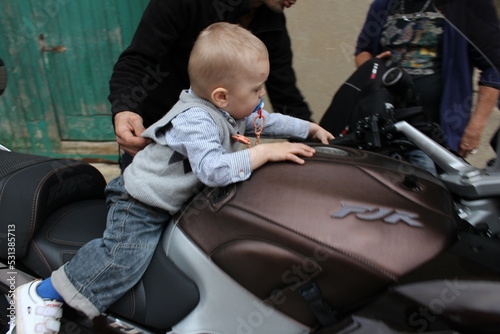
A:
x,y
55,206
63,233
32,187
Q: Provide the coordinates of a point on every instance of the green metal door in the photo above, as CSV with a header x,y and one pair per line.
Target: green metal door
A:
x,y
59,56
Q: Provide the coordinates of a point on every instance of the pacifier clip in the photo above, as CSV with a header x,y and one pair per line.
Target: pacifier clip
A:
x,y
257,127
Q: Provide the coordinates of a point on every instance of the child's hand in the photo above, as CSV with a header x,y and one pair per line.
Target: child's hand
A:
x,y
318,133
263,153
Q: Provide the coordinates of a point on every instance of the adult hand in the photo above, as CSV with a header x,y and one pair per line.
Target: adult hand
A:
x,y
470,140
364,56
128,129
487,98
384,54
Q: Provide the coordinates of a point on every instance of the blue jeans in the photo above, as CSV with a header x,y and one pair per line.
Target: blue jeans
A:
x,y
420,159
105,269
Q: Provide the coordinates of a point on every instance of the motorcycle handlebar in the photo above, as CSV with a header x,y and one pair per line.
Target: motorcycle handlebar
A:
x,y
346,140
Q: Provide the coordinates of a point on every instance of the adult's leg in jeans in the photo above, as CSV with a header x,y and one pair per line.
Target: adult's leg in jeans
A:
x,y
420,159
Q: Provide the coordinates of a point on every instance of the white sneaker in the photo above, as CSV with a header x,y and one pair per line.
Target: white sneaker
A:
x,y
35,315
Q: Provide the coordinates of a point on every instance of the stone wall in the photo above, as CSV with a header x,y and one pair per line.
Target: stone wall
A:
x,y
323,34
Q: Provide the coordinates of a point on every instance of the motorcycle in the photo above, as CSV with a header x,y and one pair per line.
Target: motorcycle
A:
x,y
350,242
383,247
353,241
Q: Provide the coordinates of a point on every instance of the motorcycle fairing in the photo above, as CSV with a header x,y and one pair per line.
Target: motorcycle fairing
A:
x,y
225,306
469,304
273,239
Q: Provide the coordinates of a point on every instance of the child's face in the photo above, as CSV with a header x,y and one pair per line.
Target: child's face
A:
x,y
248,90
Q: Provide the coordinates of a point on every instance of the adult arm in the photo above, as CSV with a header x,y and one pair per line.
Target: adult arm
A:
x,y
137,71
486,102
364,56
137,67
128,128
368,41
483,30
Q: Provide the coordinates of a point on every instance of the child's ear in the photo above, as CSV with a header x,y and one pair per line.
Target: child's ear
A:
x,y
220,97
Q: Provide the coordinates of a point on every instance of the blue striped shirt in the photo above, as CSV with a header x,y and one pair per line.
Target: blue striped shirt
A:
x,y
195,134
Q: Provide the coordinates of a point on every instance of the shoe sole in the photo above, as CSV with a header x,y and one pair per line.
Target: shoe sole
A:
x,y
19,319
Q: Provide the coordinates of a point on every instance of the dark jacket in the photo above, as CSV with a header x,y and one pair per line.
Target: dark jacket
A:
x,y
150,74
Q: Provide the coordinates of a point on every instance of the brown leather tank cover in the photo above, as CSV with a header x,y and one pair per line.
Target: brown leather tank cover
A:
x,y
351,221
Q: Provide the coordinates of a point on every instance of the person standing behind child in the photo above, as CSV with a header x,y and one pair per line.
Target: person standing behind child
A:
x,y
195,143
150,74
415,35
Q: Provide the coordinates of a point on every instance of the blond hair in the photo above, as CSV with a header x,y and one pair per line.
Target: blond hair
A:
x,y
222,52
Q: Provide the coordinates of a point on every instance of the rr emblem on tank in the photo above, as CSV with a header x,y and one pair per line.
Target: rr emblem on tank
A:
x,y
387,215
